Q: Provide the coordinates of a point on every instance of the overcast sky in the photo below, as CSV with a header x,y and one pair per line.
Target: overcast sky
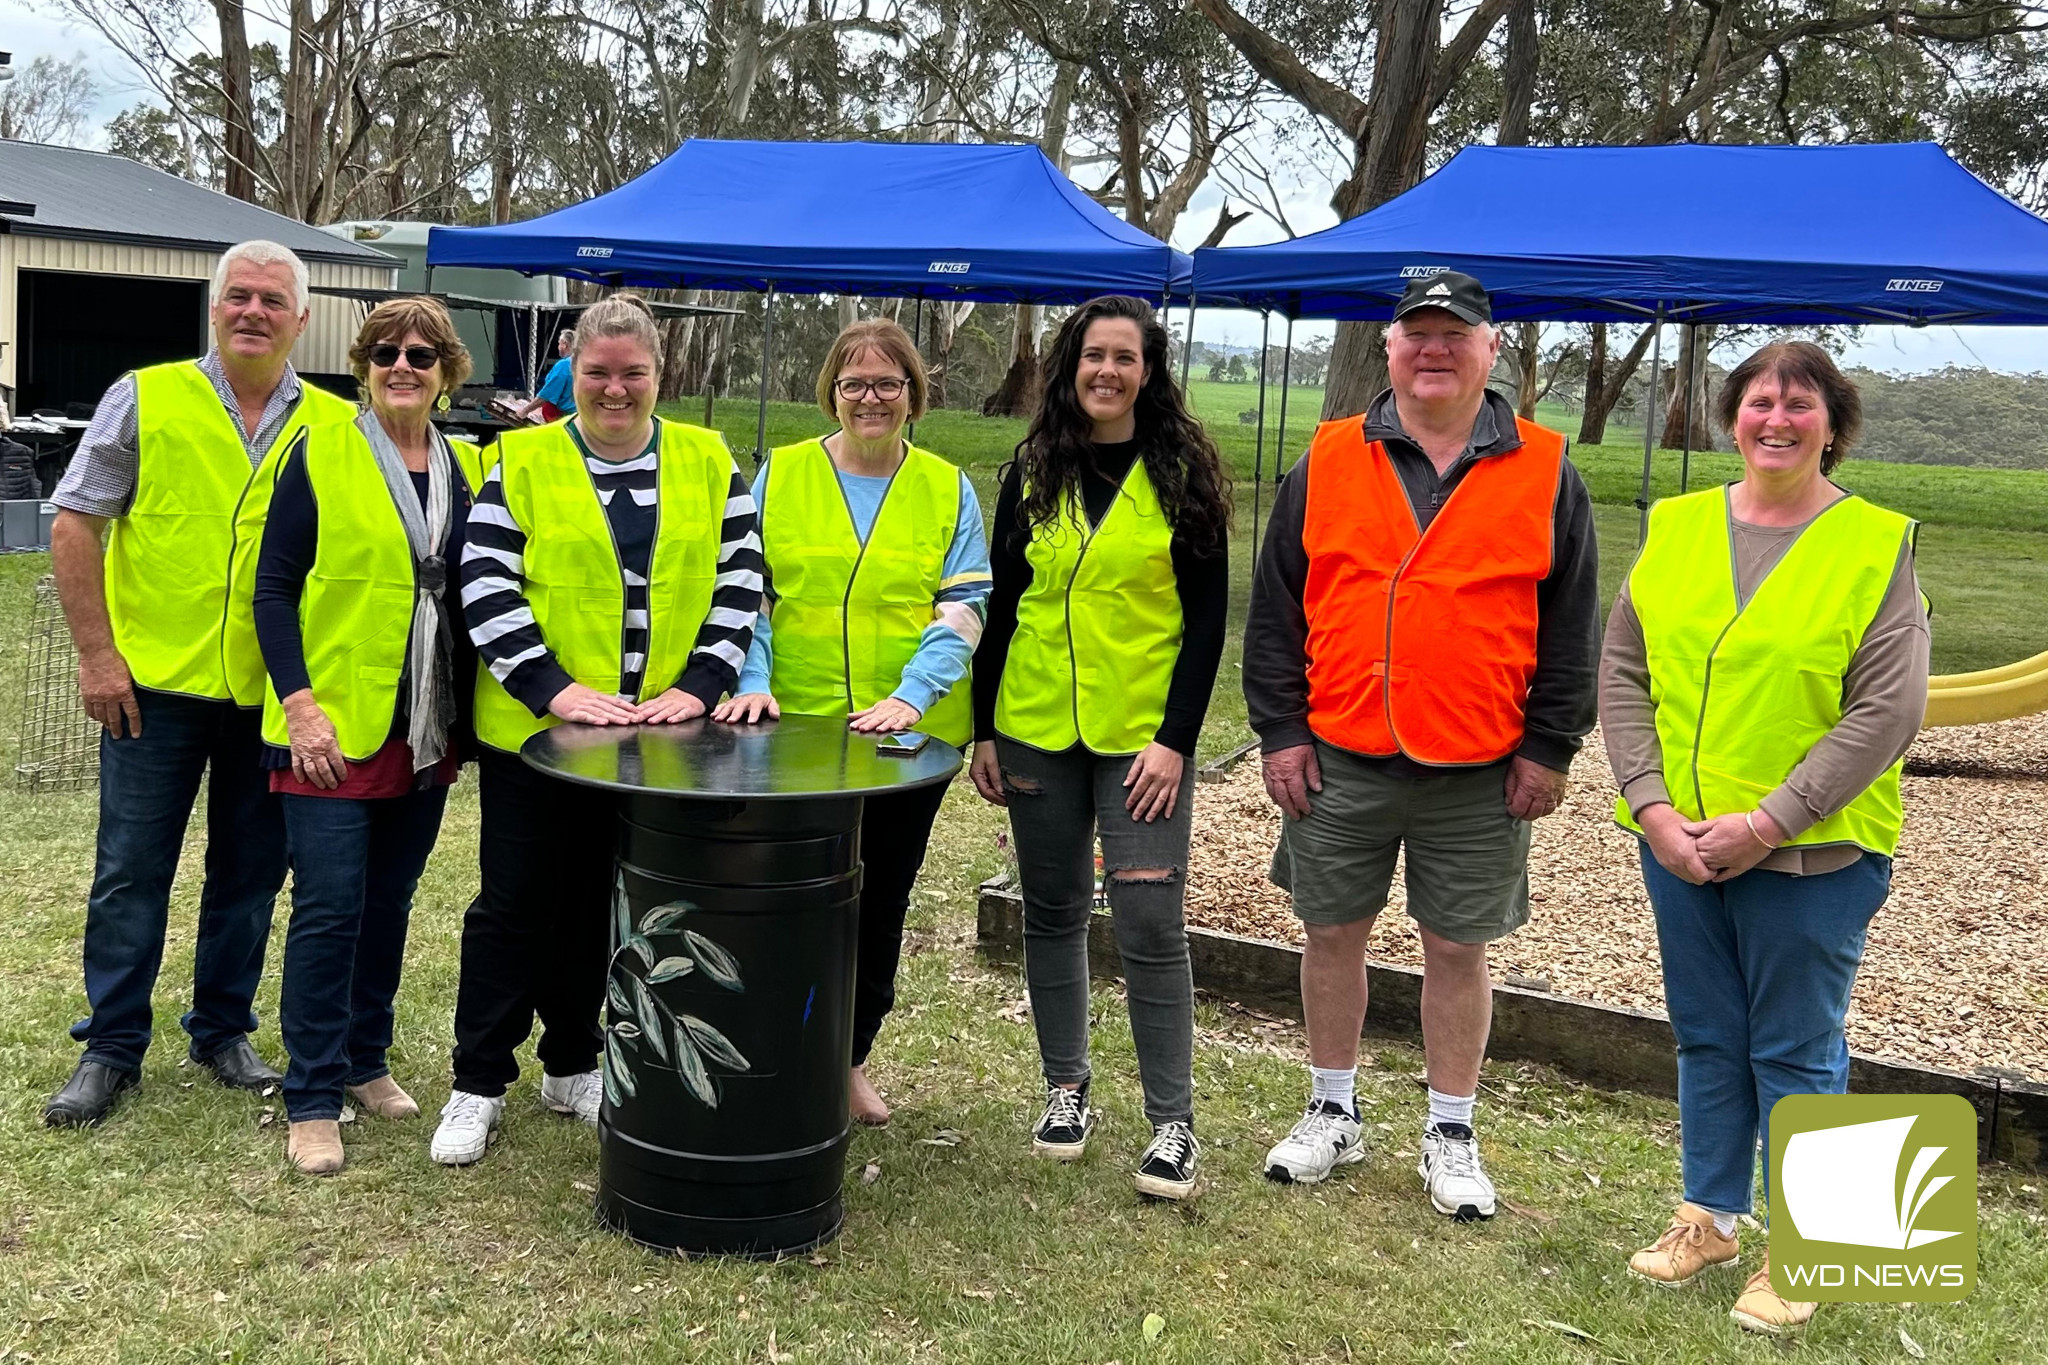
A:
x,y
30,32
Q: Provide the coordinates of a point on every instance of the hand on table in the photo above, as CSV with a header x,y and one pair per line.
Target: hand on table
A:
x,y
588,706
890,715
747,708
670,707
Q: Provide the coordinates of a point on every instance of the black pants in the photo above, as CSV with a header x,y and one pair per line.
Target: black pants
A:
x,y
536,938
894,833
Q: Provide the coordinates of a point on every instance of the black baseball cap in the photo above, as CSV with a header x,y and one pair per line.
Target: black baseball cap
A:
x,y
1460,295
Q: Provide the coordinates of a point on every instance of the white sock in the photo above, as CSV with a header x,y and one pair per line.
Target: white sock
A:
x,y
1337,1085
1445,1109
1724,1223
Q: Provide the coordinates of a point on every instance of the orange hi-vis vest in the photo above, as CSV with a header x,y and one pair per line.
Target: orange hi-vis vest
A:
x,y
1423,642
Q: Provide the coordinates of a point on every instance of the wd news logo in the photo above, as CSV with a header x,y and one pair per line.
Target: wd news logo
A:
x,y
1873,1198
1912,286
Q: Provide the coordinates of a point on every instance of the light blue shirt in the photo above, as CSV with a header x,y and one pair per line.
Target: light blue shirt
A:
x,y
559,387
943,654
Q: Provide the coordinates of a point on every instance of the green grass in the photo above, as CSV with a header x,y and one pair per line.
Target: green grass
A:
x,y
177,1233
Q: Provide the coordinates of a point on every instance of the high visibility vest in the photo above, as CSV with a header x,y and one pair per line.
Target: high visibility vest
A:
x,y
574,582
1743,692
1423,642
1098,629
355,613
181,565
848,614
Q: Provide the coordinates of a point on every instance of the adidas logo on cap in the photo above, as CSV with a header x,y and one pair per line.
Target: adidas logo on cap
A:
x,y
1439,288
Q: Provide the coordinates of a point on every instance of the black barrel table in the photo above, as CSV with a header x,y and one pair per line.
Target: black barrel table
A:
x,y
729,1027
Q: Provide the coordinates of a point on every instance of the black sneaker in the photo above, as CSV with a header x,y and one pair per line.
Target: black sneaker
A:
x,y
1167,1169
1062,1130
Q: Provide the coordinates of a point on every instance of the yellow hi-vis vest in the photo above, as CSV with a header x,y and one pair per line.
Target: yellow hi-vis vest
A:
x,y
848,615
181,565
1744,692
574,582
1098,629
355,614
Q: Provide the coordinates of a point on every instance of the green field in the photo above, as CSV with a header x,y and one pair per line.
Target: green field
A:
x,y
178,1233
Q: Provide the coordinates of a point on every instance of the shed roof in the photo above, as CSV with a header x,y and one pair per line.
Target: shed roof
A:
x,y
96,195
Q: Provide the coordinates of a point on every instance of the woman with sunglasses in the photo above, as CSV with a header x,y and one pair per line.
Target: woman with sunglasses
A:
x,y
1105,631
611,577
877,583
352,613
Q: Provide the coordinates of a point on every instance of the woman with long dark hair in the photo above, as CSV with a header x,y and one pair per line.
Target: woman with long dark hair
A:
x,y
1109,553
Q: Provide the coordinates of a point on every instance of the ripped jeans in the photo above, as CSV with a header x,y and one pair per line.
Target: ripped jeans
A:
x,y
1057,802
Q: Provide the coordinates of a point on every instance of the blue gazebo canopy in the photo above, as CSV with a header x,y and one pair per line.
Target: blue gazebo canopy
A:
x,y
1897,234
910,220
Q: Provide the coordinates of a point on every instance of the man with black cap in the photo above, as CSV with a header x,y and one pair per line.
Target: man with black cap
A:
x,y
1419,664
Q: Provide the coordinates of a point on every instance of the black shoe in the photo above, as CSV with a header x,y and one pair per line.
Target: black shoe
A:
x,y
88,1096
237,1067
1062,1130
1167,1169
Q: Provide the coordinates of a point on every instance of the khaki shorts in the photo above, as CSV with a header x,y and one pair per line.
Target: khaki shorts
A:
x,y
1468,859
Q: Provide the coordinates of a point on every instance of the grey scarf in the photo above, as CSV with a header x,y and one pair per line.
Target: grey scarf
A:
x,y
429,660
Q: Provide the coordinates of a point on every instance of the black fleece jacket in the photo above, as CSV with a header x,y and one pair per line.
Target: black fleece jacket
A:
x,y
1562,694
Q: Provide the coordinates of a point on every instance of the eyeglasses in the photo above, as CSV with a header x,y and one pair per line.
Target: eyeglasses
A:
x,y
888,390
419,357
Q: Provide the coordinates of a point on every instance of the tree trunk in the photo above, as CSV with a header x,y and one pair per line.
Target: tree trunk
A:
x,y
1593,418
240,133
1529,352
1674,407
1022,386
1600,402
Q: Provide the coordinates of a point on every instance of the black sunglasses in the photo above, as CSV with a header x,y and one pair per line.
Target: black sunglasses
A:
x,y
419,357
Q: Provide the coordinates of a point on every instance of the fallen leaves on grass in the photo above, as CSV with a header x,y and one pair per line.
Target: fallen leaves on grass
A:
x,y
1913,1348
1552,1324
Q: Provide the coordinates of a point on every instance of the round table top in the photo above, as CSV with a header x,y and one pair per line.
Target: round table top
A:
x,y
786,759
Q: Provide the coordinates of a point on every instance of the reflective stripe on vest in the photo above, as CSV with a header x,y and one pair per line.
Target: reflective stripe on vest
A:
x,y
1423,642
1098,629
1743,692
181,565
355,614
574,583
848,616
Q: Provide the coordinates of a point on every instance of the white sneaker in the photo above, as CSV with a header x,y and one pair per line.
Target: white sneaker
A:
x,y
467,1122
1451,1172
1323,1139
577,1095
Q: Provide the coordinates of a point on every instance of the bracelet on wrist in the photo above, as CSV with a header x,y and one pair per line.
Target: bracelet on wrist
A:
x,y
1749,820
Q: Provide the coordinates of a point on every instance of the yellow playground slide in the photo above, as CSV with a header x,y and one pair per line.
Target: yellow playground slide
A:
x,y
2014,690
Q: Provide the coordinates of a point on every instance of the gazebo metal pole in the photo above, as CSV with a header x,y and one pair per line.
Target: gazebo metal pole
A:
x,y
1650,422
1692,367
532,348
1286,375
1187,347
916,344
767,340
1259,448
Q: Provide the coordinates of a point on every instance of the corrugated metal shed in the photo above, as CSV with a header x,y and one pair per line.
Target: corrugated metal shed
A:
x,y
81,194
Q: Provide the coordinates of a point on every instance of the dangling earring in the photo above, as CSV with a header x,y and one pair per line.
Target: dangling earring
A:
x,y
441,403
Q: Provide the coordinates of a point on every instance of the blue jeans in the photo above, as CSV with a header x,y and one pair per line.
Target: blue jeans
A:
x,y
148,784
354,867
1757,973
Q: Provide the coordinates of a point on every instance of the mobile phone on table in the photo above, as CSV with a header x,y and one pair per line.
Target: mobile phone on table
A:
x,y
902,745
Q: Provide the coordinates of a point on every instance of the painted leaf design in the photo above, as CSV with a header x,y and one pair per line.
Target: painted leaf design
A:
x,y
622,910
650,1022
665,917
639,944
690,1067
715,962
619,1082
716,1045
616,993
627,1029
670,969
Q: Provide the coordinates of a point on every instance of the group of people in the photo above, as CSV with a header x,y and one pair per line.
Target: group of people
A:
x,y
330,610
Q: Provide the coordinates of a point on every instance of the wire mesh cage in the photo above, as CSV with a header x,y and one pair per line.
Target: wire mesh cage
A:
x,y
60,746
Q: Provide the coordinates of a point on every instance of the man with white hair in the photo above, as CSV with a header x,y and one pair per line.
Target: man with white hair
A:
x,y
167,475
1419,666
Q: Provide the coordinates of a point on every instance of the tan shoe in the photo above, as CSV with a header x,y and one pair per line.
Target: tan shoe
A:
x,y
1689,1246
865,1101
1761,1310
315,1146
383,1098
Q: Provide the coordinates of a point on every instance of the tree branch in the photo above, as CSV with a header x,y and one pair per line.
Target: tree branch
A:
x,y
1279,64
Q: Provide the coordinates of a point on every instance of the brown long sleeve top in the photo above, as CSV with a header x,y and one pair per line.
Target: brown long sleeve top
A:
x,y
1884,698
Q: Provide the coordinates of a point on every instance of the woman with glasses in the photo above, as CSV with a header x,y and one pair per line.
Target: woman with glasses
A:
x,y
366,676
877,582
611,576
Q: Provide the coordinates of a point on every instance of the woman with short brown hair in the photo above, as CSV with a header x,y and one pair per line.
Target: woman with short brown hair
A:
x,y
877,584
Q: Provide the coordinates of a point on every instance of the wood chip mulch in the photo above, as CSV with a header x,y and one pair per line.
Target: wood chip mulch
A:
x,y
1956,971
